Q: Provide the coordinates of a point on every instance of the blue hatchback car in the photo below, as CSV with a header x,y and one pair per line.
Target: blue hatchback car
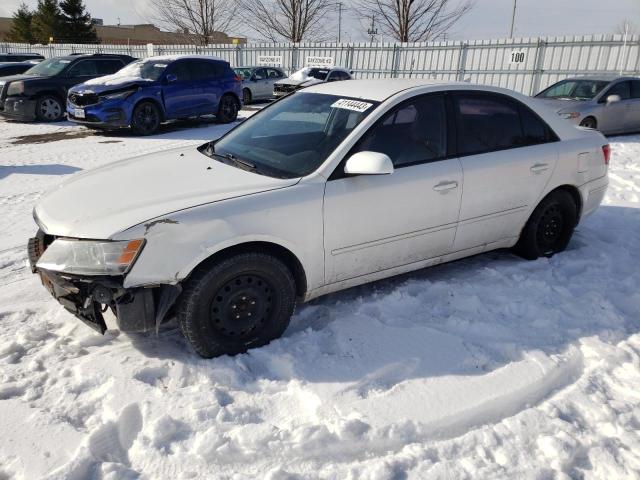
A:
x,y
147,92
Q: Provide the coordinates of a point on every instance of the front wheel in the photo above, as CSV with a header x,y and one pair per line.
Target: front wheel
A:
x,y
228,109
246,96
49,108
146,118
549,228
589,122
242,302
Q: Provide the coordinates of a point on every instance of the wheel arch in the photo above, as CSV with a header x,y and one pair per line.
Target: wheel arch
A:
x,y
155,101
575,194
235,96
592,116
278,251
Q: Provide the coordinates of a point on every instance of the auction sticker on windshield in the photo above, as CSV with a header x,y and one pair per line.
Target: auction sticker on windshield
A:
x,y
354,105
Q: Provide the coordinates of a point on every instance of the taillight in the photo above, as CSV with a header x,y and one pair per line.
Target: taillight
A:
x,y
237,78
606,150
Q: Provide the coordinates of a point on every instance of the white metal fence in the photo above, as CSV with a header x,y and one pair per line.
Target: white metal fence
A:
x,y
524,64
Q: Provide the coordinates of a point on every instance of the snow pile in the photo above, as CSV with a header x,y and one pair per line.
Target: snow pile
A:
x,y
490,367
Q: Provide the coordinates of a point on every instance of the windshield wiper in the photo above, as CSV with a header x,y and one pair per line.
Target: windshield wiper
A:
x,y
228,158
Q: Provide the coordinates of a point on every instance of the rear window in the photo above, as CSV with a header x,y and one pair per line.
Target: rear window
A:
x,y
489,122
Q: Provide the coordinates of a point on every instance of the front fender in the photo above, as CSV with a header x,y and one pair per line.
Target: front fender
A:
x,y
177,243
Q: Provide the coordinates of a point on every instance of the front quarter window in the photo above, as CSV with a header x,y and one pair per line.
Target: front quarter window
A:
x,y
295,135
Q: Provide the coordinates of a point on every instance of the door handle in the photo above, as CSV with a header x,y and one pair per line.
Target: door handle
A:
x,y
445,186
539,167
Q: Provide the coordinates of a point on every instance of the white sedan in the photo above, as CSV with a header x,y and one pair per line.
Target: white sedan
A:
x,y
333,186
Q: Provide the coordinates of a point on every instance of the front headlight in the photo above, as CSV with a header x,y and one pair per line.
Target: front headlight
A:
x,y
569,115
114,96
90,257
15,88
2,82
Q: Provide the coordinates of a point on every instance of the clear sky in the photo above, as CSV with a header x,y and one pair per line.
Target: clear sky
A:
x,y
488,19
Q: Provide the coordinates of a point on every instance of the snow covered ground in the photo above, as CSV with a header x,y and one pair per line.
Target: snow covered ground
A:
x,y
490,367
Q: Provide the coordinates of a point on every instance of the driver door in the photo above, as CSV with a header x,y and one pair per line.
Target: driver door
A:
x,y
377,222
181,93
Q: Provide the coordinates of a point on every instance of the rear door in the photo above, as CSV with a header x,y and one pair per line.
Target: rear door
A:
x,y
180,93
374,223
208,78
273,75
508,154
633,113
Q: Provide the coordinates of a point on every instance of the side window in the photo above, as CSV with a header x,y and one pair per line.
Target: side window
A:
x,y
414,132
260,74
623,89
487,123
337,75
206,70
108,66
273,73
83,68
535,130
181,70
635,88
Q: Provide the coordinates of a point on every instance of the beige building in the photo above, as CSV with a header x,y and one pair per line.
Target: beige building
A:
x,y
139,35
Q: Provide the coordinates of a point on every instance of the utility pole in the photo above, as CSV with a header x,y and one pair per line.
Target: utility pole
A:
x,y
513,17
339,22
373,31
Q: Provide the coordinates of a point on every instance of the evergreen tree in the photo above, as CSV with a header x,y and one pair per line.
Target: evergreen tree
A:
x,y
46,21
77,23
21,26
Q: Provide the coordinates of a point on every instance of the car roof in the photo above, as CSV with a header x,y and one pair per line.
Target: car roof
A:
x,y
258,66
96,55
172,58
376,89
604,77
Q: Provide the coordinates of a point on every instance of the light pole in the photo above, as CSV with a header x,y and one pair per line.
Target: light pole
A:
x,y
339,22
513,18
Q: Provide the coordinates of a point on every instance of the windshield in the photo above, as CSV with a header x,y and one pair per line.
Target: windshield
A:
x,y
144,69
49,67
574,89
294,136
244,73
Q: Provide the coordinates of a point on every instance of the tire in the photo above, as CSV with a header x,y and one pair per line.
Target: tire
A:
x,y
589,122
246,96
549,228
227,109
49,108
146,118
241,302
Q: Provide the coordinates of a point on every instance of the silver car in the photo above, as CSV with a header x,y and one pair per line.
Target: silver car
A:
x,y
257,82
609,104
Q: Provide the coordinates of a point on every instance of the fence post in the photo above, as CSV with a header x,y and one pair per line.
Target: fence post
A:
x,y
462,61
395,61
538,67
239,57
350,53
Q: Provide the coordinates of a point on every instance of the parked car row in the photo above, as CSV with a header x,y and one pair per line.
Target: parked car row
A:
x,y
106,91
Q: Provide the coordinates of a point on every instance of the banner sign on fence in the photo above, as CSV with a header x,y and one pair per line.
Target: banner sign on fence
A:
x,y
270,60
326,62
517,57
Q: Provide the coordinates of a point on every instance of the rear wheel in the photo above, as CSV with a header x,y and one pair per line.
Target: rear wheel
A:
x,y
589,122
242,302
49,108
146,118
549,228
228,109
246,96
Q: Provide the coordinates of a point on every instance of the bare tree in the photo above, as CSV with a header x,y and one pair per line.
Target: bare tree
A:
x,y
198,19
414,20
626,27
290,20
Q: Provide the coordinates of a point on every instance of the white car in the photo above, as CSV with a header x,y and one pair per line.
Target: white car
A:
x,y
333,186
308,76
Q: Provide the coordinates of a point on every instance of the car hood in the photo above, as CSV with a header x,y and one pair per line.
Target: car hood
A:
x,y
561,105
22,76
306,82
105,201
103,84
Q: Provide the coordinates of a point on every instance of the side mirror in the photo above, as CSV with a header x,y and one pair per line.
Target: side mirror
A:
x,y
171,77
613,99
368,163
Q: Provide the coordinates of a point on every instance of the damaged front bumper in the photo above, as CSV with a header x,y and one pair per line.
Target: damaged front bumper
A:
x,y
88,297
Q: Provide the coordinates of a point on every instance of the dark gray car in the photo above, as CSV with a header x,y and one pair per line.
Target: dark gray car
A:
x,y
257,82
610,104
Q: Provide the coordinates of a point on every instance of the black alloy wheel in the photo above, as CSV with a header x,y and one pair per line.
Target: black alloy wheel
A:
x,y
145,119
228,109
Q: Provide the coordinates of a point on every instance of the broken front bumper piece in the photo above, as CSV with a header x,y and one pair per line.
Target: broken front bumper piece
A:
x,y
88,297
